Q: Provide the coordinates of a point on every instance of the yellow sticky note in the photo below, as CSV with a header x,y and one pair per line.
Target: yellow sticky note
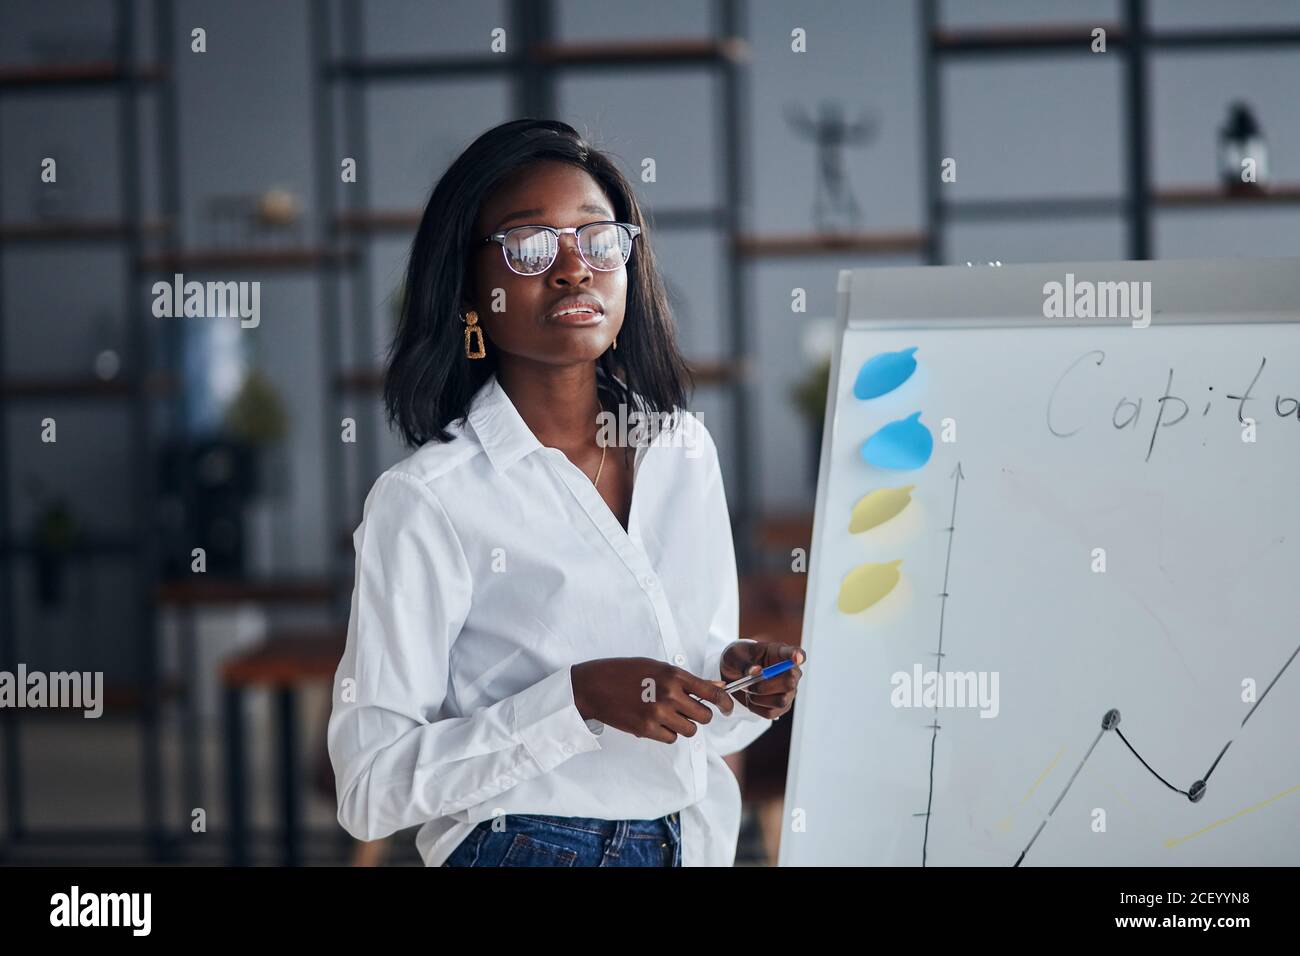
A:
x,y
866,584
878,507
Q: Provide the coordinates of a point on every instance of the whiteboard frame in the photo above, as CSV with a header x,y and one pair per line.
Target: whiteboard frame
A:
x,y
1191,292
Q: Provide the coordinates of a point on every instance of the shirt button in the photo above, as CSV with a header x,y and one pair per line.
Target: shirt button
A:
x,y
698,744
650,582
507,781
567,748
680,660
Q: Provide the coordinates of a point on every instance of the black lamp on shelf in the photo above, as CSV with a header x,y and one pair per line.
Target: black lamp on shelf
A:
x,y
1243,152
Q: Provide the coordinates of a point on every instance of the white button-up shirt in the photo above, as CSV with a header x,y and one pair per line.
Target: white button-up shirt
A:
x,y
485,567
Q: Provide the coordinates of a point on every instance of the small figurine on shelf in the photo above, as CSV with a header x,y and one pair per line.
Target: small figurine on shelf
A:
x,y
259,221
835,209
1243,153
258,420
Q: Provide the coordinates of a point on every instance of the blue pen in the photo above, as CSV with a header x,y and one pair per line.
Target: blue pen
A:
x,y
768,672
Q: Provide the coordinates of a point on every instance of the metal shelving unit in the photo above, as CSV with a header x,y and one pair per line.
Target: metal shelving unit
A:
x,y
137,387
1135,41
534,71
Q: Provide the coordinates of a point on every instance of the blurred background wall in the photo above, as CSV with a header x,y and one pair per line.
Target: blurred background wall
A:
x,y
227,167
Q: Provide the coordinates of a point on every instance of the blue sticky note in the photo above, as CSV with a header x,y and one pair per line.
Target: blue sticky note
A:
x,y
902,445
884,372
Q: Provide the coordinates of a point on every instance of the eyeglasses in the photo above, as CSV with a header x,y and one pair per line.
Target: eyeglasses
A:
x,y
531,250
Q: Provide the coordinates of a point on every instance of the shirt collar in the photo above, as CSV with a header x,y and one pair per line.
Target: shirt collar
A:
x,y
500,429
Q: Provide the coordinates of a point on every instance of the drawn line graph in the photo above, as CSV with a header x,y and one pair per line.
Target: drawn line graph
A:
x,y
934,727
1193,793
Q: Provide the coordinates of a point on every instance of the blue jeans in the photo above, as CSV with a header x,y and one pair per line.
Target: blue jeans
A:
x,y
534,840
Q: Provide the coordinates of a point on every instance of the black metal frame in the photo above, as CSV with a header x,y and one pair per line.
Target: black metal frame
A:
x,y
1135,41
129,81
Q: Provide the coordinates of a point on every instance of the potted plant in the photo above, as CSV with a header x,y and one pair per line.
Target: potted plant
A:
x,y
809,397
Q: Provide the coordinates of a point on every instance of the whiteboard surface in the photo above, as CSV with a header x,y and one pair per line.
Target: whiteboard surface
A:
x,y
1200,592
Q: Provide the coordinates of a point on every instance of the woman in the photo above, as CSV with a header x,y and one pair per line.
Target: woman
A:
x,y
542,624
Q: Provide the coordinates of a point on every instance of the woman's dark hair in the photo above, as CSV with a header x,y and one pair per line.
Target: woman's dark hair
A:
x,y
429,382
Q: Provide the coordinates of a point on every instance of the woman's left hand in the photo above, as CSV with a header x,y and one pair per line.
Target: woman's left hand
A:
x,y
769,698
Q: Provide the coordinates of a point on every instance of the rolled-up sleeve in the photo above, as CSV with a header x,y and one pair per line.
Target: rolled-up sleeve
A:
x,y
398,762
725,733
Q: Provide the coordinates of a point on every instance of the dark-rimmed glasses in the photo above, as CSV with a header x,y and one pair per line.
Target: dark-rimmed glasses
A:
x,y
531,250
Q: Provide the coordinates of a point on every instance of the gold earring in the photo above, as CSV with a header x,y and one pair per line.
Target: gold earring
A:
x,y
471,326
616,343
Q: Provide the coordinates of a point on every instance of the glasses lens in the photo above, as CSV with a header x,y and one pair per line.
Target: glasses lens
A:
x,y
605,246
530,250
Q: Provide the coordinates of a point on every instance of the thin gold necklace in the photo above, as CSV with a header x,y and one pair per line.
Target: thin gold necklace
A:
x,y
603,449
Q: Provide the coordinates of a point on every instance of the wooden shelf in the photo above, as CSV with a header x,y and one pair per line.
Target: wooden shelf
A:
x,y
130,697
287,660
307,257
642,52
81,387
89,73
89,545
1034,207
360,380
379,220
1219,196
1024,39
54,230
624,54
408,220
1078,38
1201,39
718,372
201,589
813,244
420,67
705,372
781,532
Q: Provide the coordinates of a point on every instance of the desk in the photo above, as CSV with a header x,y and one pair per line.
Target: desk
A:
x,y
284,664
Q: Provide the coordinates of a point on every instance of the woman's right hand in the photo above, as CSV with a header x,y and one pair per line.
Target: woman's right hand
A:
x,y
645,697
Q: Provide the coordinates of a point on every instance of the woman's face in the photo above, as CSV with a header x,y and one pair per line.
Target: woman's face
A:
x,y
547,194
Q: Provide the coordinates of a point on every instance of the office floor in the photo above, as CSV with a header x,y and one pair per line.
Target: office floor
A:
x,y
84,775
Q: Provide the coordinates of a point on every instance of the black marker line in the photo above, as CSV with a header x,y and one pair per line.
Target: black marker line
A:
x,y
1270,685
1195,792
957,476
1149,767
1068,784
1253,708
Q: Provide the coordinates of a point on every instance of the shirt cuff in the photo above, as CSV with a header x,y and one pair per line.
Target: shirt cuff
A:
x,y
548,724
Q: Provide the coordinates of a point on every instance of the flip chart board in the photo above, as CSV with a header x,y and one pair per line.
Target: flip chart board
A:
x,y
1055,570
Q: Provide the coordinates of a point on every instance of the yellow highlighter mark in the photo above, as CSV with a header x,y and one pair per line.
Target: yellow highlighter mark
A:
x,y
1005,823
1043,776
878,507
866,584
1175,841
